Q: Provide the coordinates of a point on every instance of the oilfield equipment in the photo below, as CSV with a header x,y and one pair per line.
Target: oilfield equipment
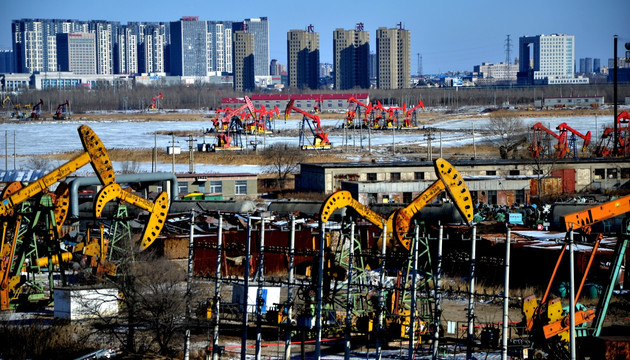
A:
x,y
36,111
551,326
34,242
63,111
319,139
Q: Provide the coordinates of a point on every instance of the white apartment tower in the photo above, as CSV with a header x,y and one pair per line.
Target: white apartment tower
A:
x,y
393,58
548,59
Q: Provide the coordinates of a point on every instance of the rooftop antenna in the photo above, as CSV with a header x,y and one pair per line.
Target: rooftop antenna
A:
x,y
400,25
359,26
508,50
310,28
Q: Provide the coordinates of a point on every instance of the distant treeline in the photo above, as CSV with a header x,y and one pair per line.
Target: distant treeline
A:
x,y
208,96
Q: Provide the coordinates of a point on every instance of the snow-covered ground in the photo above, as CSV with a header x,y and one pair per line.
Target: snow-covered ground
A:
x,y
43,137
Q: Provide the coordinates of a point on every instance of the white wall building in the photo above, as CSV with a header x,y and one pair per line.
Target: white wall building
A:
x,y
548,59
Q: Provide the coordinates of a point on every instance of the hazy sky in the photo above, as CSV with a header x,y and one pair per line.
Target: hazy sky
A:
x,y
449,35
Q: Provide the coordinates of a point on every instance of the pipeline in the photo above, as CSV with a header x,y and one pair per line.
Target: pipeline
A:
x,y
75,183
65,257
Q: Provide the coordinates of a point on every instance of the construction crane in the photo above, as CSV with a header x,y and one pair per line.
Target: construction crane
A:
x,y
399,222
37,110
572,140
320,138
410,121
63,111
537,149
546,320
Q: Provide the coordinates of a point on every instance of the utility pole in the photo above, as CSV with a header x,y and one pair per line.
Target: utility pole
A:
x,y
191,154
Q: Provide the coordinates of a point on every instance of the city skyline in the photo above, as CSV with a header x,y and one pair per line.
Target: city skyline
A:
x,y
453,38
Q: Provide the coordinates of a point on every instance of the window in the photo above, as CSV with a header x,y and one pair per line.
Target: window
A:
x,y
216,186
371,176
519,196
407,197
240,187
600,174
491,172
395,176
372,198
515,172
182,187
492,197
418,175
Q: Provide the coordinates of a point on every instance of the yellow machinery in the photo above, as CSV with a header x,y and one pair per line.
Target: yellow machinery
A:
x,y
399,222
546,320
398,225
158,210
53,209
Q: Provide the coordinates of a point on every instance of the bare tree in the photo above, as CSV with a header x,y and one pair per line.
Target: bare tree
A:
x,y
284,159
40,163
151,293
509,133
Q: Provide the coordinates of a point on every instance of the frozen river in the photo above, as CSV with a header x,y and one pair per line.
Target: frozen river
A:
x,y
45,137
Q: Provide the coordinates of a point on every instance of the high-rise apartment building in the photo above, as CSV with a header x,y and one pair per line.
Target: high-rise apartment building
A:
x,y
189,47
393,58
7,65
151,44
548,59
351,51
126,52
104,35
596,65
274,68
244,61
196,47
260,28
220,48
76,52
303,58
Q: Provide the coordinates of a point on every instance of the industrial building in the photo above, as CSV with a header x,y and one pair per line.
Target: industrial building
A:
x,y
303,58
570,101
308,102
501,182
393,57
236,186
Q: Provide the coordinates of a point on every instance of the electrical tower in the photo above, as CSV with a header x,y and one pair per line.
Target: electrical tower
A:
x,y
419,64
508,50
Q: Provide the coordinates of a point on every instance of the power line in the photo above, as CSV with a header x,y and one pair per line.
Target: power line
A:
x,y
508,50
